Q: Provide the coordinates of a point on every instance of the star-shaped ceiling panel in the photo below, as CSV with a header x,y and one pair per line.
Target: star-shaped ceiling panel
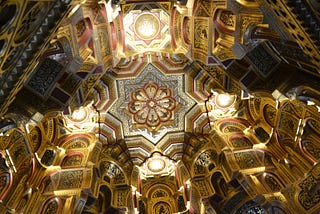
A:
x,y
152,104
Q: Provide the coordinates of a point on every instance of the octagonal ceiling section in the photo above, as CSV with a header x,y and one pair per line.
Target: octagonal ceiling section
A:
x,y
152,101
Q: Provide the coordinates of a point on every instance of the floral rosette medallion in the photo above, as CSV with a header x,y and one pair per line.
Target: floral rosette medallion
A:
x,y
152,106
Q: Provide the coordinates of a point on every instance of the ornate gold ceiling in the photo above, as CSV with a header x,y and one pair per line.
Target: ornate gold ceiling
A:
x,y
159,107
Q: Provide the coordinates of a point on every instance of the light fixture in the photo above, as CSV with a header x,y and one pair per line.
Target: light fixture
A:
x,y
79,114
147,26
221,104
225,100
156,165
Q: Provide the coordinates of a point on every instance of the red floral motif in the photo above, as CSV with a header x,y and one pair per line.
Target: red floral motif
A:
x,y
152,105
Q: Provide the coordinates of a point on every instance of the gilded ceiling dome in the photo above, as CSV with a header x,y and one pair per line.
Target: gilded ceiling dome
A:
x,y
152,107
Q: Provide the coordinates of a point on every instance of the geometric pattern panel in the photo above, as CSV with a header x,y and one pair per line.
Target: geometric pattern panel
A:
x,y
172,101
